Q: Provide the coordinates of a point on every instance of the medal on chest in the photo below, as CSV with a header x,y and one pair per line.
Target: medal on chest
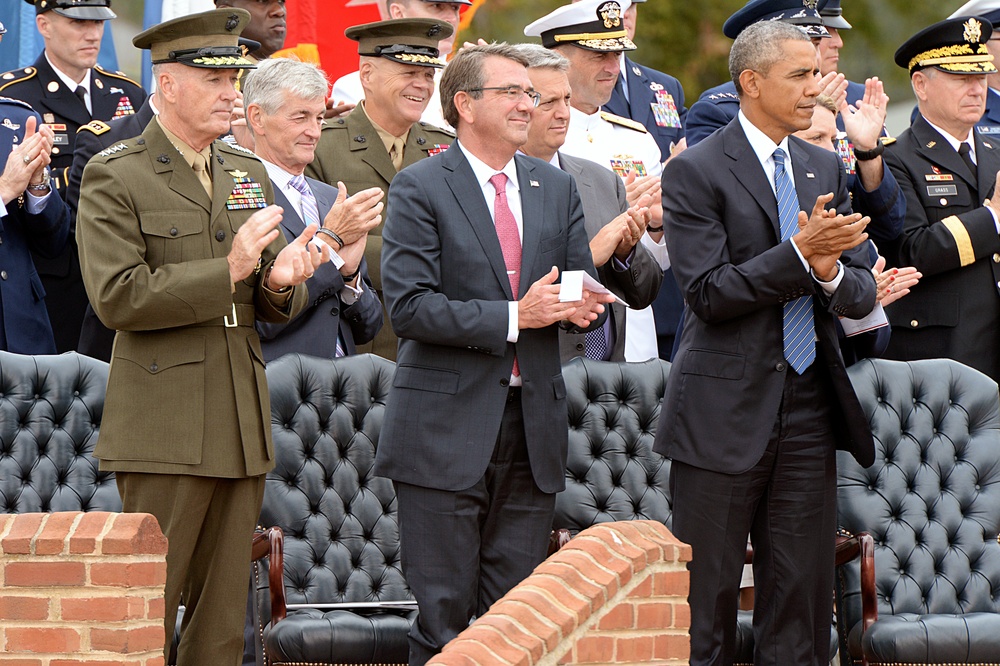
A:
x,y
247,193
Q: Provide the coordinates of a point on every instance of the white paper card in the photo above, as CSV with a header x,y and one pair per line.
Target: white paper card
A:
x,y
574,282
875,319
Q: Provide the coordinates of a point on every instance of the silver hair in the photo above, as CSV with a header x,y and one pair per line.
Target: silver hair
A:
x,y
465,73
542,58
275,78
761,45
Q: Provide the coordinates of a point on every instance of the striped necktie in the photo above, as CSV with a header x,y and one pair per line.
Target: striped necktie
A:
x,y
799,330
310,215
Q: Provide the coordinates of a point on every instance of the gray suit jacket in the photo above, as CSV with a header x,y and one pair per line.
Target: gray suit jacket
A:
x,y
447,292
314,330
603,197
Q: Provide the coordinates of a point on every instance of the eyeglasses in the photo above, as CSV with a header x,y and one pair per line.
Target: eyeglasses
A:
x,y
513,93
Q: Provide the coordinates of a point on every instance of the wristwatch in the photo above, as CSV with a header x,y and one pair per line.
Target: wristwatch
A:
x,y
44,185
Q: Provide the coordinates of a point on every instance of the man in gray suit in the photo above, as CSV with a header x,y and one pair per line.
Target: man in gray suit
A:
x,y
285,105
623,265
475,425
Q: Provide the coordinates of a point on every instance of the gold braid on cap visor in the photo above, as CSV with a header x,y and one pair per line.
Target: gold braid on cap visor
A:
x,y
955,54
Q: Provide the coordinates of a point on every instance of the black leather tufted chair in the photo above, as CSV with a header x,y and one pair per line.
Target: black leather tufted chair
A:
x,y
931,505
50,415
347,602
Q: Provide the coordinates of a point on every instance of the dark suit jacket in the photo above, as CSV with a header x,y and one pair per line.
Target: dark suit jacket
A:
x,y
721,219
313,330
447,293
952,239
641,95
26,328
603,196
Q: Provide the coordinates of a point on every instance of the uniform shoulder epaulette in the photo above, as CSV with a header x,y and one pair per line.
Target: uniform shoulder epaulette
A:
x,y
238,148
118,149
98,127
16,76
16,102
429,127
116,75
887,140
624,122
335,123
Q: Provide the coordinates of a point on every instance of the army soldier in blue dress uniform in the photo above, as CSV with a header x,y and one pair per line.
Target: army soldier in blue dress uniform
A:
x,y
68,89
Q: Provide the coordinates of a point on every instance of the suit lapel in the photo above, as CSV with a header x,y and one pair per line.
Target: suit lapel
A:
x,y
168,163
470,199
638,84
290,219
938,151
532,195
748,171
62,102
104,103
807,187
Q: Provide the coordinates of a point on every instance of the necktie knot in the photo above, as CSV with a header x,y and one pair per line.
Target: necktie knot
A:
x,y
81,92
299,183
779,158
499,183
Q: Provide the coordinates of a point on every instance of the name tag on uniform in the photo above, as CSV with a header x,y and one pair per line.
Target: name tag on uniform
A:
x,y
942,190
60,140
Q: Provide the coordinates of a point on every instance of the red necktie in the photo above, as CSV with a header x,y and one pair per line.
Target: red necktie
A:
x,y
510,240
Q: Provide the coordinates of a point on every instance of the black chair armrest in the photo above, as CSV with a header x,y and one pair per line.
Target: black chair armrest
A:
x,y
271,544
869,602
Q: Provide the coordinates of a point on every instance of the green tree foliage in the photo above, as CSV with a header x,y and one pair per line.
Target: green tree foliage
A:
x,y
685,38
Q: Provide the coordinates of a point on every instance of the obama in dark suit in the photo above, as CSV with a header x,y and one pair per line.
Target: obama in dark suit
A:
x,y
475,425
758,399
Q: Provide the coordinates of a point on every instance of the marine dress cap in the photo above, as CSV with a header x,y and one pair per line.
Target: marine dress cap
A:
x,y
956,46
832,15
411,41
802,13
210,40
594,25
988,9
85,10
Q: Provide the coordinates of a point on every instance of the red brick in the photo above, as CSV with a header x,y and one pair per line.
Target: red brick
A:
x,y
533,644
135,574
134,534
671,583
616,536
634,648
77,662
44,574
573,579
672,646
682,616
85,536
572,600
605,556
31,639
621,616
20,661
51,540
643,590
479,654
654,615
545,606
24,608
495,642
127,641
18,539
453,659
590,569
156,609
595,650
533,621
101,609
153,661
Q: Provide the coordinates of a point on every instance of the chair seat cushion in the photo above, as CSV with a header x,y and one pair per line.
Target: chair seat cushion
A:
x,y
340,637
908,638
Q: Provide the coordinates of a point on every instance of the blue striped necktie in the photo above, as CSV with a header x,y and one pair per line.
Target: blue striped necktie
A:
x,y
799,330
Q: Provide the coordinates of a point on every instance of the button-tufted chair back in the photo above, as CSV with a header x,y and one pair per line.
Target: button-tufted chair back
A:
x,y
341,536
931,503
611,470
50,415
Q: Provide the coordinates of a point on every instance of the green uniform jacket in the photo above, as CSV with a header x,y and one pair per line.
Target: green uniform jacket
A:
x,y
186,393
350,150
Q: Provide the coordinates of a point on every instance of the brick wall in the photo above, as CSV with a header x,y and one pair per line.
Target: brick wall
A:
x,y
617,594
81,588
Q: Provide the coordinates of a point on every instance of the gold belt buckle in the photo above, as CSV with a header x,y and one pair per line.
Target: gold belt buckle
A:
x,y
234,323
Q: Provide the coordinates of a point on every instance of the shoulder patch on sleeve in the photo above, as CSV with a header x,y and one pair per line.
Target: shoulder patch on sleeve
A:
x,y
624,122
98,127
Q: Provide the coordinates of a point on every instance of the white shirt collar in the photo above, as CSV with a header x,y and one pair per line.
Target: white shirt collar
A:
x,y
278,176
761,143
484,172
955,143
67,81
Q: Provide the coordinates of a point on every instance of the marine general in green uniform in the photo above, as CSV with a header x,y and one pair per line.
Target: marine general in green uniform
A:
x,y
383,133
181,254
